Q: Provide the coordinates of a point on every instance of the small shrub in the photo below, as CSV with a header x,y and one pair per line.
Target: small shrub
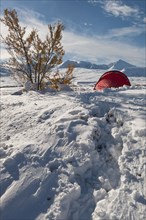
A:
x,y
31,58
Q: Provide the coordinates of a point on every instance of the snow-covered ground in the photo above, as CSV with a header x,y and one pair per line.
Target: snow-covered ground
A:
x,y
74,155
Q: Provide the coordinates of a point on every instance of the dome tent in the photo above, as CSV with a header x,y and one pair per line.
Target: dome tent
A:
x,y
113,78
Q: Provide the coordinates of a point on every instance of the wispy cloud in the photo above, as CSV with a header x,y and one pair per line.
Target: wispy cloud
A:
x,y
97,48
130,31
89,48
117,8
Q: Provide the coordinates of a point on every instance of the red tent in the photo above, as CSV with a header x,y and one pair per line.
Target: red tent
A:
x,y
113,78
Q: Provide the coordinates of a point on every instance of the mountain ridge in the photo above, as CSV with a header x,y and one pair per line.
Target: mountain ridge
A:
x,y
120,64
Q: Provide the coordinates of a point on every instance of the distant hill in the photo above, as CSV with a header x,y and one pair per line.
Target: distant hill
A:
x,y
121,65
83,64
135,71
127,68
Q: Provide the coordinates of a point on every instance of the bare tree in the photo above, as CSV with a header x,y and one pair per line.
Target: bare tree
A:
x,y
31,58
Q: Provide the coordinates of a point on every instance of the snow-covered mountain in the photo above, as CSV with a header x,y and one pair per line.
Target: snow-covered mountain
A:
x,y
135,71
119,65
127,68
83,64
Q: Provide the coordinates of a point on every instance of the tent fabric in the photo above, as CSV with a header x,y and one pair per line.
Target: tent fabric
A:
x,y
113,79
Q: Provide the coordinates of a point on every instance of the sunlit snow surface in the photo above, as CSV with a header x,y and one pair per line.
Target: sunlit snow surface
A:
x,y
74,155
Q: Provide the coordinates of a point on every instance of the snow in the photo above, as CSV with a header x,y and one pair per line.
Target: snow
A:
x,y
73,155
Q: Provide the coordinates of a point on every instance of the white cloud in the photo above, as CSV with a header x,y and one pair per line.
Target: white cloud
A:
x,y
117,8
126,31
89,48
97,48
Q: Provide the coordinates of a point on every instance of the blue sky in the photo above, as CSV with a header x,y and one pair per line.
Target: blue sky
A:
x,y
100,31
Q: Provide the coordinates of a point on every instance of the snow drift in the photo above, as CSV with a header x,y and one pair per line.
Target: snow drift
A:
x,y
76,155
